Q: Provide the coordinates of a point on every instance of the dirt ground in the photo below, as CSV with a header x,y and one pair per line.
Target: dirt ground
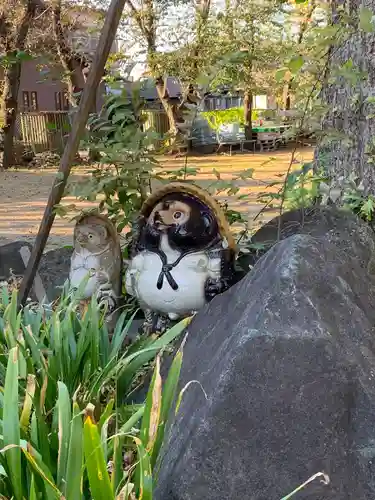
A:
x,y
24,193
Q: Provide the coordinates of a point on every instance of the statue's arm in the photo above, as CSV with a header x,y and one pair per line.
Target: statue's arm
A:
x,y
220,273
131,275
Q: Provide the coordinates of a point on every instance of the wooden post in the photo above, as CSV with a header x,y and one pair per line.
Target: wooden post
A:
x,y
89,94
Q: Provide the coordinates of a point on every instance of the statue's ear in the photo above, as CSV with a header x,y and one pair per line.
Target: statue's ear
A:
x,y
210,224
104,233
139,224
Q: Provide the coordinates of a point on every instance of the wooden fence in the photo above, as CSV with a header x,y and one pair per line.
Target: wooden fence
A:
x,y
157,121
45,131
48,131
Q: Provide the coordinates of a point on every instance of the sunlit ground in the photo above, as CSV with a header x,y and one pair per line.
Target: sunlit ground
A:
x,y
24,193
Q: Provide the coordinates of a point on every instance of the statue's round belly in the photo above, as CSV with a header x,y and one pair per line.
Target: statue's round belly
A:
x,y
78,276
187,298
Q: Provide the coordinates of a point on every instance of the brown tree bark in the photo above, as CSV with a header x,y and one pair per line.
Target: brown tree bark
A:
x,y
347,146
70,63
248,109
12,75
73,65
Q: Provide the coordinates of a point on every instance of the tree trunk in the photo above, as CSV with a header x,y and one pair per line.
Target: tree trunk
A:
x,y
177,140
347,146
248,108
286,96
304,24
12,75
72,66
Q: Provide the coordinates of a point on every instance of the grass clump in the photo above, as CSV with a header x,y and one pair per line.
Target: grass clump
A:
x,y
64,429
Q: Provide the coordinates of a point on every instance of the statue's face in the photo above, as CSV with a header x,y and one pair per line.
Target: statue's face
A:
x,y
91,237
188,223
169,213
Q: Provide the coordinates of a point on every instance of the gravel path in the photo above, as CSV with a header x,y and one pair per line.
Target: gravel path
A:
x,y
24,193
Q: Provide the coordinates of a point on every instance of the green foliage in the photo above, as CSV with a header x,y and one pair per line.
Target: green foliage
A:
x,y
366,20
128,168
15,57
221,117
55,442
299,189
75,349
122,178
363,206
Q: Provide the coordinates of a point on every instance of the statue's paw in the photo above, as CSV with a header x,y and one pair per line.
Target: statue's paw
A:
x,y
212,288
106,300
108,304
162,324
105,287
147,328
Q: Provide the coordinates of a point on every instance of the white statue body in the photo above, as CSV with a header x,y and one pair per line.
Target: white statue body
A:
x,y
179,258
97,259
190,274
85,264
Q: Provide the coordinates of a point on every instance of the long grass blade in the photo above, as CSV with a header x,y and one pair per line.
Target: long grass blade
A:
x,y
143,357
75,458
37,466
65,416
120,333
11,425
100,484
106,414
28,403
169,394
143,472
12,320
117,472
151,416
33,492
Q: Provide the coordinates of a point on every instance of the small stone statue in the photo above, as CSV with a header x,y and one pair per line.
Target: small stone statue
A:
x,y
97,256
182,256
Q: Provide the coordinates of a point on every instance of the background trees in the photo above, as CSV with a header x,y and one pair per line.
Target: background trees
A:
x,y
16,20
288,50
39,29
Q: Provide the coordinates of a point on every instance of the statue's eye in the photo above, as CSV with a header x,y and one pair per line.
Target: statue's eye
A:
x,y
177,215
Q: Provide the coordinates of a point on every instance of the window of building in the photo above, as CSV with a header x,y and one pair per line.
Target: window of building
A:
x,y
34,101
61,101
30,101
26,101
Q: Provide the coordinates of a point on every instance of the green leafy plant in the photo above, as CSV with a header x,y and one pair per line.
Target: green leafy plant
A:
x,y
128,168
54,441
75,349
299,189
14,57
69,454
122,178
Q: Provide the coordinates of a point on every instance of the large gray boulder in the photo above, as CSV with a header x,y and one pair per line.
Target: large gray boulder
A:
x,y
54,270
287,361
14,258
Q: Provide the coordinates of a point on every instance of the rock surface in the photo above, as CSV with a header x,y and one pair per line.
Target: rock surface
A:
x,y
13,261
54,270
287,361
